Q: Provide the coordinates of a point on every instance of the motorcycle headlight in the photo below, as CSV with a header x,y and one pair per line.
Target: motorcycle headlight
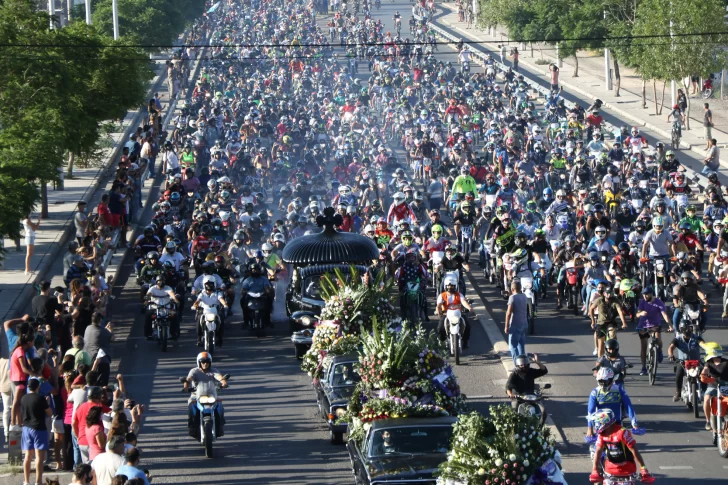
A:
x,y
660,264
207,400
693,372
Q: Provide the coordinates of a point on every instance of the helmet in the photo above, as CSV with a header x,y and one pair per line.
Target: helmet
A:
x,y
600,231
521,361
436,228
152,255
612,345
560,193
685,328
686,277
520,239
605,374
266,247
602,419
204,356
450,281
685,226
712,350
658,221
624,247
548,193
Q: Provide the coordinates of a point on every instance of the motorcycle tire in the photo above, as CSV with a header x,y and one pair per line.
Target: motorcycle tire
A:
x,y
207,441
455,348
574,300
210,343
531,320
694,400
163,339
652,365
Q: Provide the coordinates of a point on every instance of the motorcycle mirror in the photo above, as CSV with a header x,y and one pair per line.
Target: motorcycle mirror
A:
x,y
547,386
182,380
630,366
226,377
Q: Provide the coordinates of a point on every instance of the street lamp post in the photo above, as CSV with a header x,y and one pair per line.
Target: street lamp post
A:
x,y
607,77
115,17
88,11
51,12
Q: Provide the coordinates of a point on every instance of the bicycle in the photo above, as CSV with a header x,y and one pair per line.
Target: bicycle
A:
x,y
675,136
652,349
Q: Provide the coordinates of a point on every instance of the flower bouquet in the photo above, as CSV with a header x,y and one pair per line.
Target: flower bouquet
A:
x,y
325,335
504,448
388,407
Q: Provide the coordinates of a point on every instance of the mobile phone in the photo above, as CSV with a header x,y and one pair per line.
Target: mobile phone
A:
x,y
132,404
55,294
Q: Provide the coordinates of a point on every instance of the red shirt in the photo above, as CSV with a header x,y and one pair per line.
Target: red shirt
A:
x,y
690,240
618,445
80,418
104,214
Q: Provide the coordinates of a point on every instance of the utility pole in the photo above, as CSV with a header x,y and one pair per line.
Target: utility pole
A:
x,y
88,12
115,17
69,6
51,12
607,77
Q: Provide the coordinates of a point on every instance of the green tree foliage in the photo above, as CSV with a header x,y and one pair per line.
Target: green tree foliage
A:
x,y
56,88
150,22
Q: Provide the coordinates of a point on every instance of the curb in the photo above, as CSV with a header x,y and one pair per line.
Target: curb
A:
x,y
500,347
22,301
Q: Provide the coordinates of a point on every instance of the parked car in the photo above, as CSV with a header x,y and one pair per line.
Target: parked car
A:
x,y
401,450
333,391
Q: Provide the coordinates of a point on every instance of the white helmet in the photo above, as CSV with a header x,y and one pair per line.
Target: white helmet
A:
x,y
450,281
204,356
605,374
266,247
278,237
560,193
398,196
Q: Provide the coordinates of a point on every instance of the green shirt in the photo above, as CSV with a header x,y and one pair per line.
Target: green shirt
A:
x,y
695,223
80,357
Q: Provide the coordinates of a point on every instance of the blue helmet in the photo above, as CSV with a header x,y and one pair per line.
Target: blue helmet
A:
x,y
548,194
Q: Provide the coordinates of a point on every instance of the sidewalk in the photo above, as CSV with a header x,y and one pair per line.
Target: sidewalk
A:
x,y
590,84
58,229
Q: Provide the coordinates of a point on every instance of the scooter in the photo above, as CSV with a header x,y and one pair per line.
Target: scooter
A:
x,y
256,305
532,405
209,408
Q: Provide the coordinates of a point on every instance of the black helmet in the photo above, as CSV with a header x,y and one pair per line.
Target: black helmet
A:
x,y
520,239
612,346
149,231
152,255
624,247
685,226
522,361
255,269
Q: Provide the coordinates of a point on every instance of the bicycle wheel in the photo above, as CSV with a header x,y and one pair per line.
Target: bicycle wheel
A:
x,y
652,365
675,140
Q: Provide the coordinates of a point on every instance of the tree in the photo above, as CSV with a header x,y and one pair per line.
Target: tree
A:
x,y
583,21
666,47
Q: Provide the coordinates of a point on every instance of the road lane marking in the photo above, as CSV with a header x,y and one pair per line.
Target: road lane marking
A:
x,y
488,396
677,467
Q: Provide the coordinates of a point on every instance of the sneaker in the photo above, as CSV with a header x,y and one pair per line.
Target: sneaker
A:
x,y
708,427
558,305
659,356
535,314
676,397
15,428
643,372
595,351
724,315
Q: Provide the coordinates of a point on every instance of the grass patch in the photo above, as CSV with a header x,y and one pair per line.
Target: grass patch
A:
x,y
8,468
541,62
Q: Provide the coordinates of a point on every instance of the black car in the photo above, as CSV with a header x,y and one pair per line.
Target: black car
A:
x,y
333,391
401,450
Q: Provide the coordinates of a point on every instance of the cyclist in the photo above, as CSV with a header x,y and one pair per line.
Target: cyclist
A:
x,y
603,312
618,445
651,312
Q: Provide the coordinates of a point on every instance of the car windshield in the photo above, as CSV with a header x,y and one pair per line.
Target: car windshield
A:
x,y
344,375
411,440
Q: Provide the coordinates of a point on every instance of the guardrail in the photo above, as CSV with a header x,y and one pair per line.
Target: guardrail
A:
x,y
481,54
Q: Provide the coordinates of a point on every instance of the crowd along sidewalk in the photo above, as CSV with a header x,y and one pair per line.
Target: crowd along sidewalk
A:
x,y
590,84
56,231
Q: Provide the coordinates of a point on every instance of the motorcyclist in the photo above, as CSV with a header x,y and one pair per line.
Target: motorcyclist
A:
x,y
410,271
454,262
607,395
257,282
203,379
625,263
619,447
210,298
687,345
715,373
521,379
399,210
151,270
688,292
160,294
451,299
144,245
613,360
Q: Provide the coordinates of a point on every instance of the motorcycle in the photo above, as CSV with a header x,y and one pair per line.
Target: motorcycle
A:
x,y
571,287
161,322
208,406
209,321
691,393
691,316
256,305
532,405
456,328
412,303
719,407
466,241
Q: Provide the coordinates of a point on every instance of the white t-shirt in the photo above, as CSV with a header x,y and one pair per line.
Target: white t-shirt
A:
x,y
176,259
105,466
171,159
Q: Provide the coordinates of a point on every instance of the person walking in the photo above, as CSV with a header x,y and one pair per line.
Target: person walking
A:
x,y
34,410
707,124
80,220
29,228
516,321
514,55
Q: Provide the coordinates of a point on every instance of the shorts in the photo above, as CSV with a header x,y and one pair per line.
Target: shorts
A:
x,y
555,87
644,332
708,132
30,239
711,391
57,426
115,220
18,385
33,439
